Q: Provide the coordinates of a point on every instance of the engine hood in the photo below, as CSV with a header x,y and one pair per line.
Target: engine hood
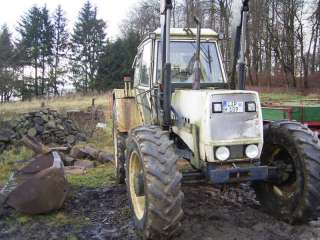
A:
x,y
195,107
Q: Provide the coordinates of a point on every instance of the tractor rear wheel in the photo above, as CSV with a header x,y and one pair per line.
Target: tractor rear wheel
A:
x,y
295,150
118,150
153,183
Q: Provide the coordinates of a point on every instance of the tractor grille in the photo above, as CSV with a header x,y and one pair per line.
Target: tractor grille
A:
x,y
236,152
235,126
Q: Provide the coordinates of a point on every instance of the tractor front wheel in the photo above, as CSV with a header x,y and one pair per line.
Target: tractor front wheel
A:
x,y
295,150
153,183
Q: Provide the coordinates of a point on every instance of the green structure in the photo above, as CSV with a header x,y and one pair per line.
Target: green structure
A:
x,y
307,112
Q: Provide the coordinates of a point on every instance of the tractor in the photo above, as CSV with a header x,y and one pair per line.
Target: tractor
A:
x,y
182,106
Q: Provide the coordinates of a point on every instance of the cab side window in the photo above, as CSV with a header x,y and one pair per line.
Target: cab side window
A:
x,y
145,69
137,69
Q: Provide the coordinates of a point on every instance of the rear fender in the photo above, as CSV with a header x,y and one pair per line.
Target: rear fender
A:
x,y
126,110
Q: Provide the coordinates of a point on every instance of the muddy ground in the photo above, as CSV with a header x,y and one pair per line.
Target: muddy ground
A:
x,y
103,213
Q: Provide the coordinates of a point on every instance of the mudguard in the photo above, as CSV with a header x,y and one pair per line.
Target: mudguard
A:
x,y
126,110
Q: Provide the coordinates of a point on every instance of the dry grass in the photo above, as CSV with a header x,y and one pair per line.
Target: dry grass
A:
x,y
78,102
62,104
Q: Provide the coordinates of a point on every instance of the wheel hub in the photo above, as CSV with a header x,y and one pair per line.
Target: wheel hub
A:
x,y
286,184
136,185
139,184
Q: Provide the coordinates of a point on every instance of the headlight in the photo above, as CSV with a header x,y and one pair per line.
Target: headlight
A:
x,y
251,107
252,151
222,153
217,107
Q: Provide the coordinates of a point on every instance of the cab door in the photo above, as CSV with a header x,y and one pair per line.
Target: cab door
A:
x,y
143,80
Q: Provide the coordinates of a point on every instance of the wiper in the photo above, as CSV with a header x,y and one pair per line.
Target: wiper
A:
x,y
209,59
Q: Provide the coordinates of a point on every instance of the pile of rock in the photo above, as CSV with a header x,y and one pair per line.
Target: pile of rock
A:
x,y
46,125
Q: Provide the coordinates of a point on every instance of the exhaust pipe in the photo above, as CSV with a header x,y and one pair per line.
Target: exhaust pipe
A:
x,y
196,78
239,64
165,9
243,40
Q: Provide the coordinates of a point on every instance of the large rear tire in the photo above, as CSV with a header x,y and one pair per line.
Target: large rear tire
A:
x,y
153,183
118,150
295,150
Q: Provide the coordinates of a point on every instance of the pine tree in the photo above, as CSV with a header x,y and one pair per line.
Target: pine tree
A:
x,y
6,62
6,48
60,47
116,61
30,29
35,47
88,40
46,45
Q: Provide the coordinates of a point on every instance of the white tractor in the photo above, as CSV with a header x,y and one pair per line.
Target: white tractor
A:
x,y
181,107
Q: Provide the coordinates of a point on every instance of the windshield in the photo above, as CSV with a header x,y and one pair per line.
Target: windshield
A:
x,y
182,57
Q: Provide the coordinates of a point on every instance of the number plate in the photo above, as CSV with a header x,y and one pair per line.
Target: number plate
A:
x,y
232,107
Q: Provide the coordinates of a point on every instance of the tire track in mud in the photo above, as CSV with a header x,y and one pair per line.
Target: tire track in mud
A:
x,y
233,214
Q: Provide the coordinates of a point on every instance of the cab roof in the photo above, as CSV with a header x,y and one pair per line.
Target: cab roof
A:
x,y
189,32
184,34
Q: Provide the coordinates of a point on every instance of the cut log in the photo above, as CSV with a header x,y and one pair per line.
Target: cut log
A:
x,y
33,144
104,157
90,151
85,164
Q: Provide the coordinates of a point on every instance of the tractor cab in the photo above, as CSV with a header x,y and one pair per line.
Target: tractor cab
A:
x,y
182,57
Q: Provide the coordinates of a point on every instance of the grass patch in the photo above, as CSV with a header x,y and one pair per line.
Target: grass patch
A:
x,y
23,219
100,176
8,160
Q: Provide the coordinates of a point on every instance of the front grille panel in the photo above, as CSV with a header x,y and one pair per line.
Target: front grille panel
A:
x,y
234,126
236,151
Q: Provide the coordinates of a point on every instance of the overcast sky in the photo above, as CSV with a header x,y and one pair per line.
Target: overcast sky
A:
x,y
112,11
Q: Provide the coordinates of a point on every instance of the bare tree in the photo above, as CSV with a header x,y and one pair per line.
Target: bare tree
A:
x,y
143,18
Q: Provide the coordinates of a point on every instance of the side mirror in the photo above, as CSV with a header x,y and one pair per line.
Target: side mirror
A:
x,y
134,62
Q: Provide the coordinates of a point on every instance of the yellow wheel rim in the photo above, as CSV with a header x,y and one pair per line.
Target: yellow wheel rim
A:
x,y
135,169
